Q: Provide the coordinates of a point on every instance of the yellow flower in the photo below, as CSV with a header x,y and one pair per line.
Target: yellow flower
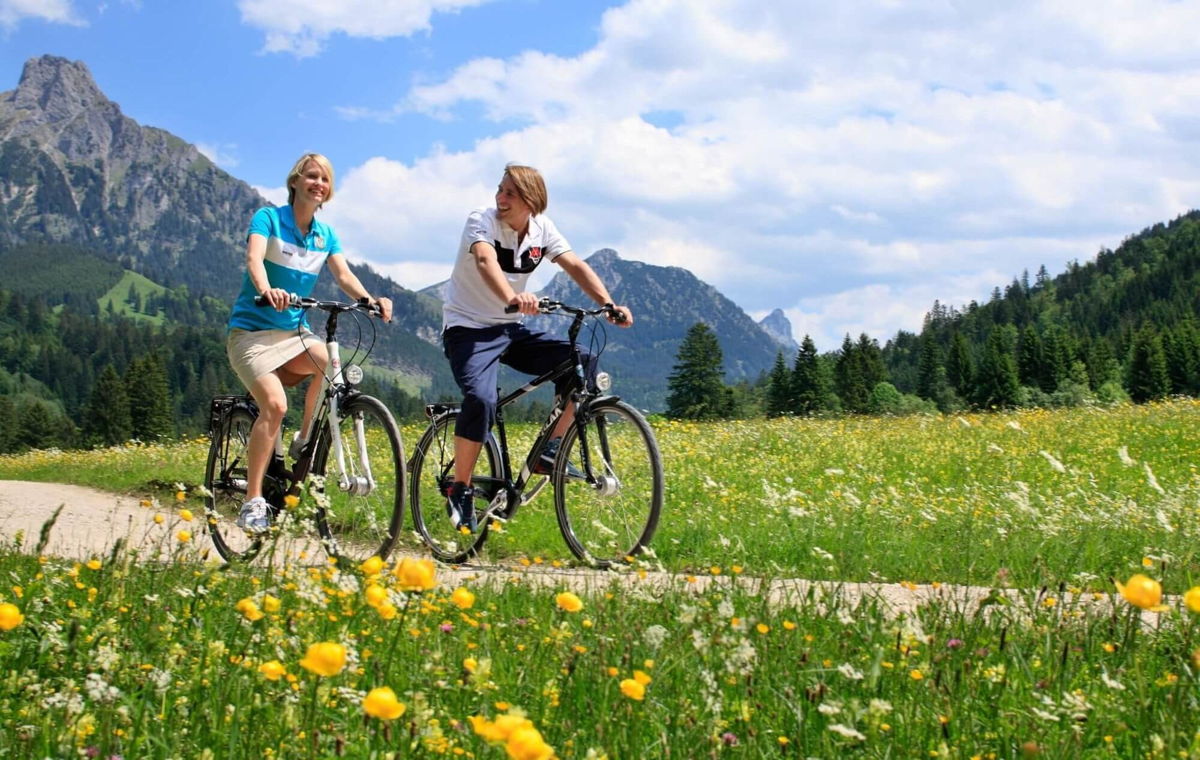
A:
x,y
1142,592
291,501
183,536
463,598
526,743
916,675
633,689
641,678
185,515
387,610
325,658
180,496
93,564
271,604
763,628
500,729
376,595
415,574
381,703
1191,598
10,616
273,670
470,664
568,602
249,608
371,566
158,519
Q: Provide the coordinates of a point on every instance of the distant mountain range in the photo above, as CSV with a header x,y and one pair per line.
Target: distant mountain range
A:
x,y
74,169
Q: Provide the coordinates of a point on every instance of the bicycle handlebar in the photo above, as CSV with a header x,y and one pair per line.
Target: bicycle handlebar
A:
x,y
296,302
548,306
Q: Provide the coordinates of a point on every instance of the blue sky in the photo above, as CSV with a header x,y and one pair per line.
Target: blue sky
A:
x,y
849,163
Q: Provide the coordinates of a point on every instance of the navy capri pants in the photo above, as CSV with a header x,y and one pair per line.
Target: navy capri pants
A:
x,y
475,355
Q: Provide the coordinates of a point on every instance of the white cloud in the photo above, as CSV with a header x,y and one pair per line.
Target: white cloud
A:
x,y
54,11
276,195
300,27
850,162
223,155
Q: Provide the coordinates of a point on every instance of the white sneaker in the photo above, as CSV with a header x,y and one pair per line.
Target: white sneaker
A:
x,y
255,516
297,446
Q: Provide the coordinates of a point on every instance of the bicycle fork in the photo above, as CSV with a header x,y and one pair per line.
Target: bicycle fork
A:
x,y
360,482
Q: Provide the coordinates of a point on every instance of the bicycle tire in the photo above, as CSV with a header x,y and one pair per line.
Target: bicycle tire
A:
x,y
362,510
431,472
225,480
606,521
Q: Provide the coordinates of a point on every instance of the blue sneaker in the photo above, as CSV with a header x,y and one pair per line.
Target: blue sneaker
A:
x,y
255,516
460,506
545,462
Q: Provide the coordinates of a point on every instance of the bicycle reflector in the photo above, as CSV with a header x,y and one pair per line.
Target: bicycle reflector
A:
x,y
353,374
603,381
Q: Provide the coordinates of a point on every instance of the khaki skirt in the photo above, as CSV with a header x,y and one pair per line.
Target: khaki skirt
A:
x,y
254,353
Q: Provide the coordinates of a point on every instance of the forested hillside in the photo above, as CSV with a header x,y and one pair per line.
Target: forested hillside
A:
x,y
1122,326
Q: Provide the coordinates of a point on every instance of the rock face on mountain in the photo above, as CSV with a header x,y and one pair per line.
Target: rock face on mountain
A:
x,y
777,326
666,301
73,168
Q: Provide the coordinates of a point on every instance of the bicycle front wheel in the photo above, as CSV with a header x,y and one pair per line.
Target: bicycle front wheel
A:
x,y
363,505
225,480
613,513
431,475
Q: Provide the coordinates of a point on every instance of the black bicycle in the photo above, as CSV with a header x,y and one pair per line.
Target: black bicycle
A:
x,y
607,515
353,464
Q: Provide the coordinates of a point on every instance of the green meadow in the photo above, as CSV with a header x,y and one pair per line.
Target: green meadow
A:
x,y
164,653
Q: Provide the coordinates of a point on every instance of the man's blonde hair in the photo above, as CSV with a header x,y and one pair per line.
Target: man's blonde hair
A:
x,y
530,186
298,169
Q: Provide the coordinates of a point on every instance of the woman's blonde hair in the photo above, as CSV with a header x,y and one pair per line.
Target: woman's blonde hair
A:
x,y
530,186
298,169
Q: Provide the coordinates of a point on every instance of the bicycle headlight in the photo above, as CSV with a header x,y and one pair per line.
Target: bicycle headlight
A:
x,y
603,381
353,374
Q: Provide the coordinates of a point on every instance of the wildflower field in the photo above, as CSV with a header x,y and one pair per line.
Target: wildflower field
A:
x,y
1089,517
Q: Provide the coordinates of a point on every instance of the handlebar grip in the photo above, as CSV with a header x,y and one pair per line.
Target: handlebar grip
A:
x,y
261,301
512,308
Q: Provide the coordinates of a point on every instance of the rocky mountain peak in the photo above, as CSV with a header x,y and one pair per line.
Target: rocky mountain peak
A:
x,y
777,325
58,88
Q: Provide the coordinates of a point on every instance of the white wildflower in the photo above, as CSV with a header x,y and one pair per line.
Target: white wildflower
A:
x,y
699,640
834,471
654,636
98,690
1164,522
879,707
964,422
847,732
1048,716
829,708
849,671
1055,465
160,679
725,609
1111,683
1151,480
820,553
1123,455
994,449
1013,425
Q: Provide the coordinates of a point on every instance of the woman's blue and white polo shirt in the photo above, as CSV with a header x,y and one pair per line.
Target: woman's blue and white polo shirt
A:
x,y
293,263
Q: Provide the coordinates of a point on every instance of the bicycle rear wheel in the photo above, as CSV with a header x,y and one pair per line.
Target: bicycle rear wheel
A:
x,y
614,513
225,479
365,496
431,475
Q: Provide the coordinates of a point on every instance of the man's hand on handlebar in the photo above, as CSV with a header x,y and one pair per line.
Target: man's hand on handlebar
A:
x,y
526,303
622,318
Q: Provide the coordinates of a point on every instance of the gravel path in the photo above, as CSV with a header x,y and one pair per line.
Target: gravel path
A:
x,y
92,521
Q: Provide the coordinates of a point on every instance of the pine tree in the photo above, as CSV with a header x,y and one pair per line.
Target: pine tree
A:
x,y
996,383
106,421
779,389
930,374
870,357
8,425
1029,358
848,378
149,398
808,390
1148,378
959,369
695,388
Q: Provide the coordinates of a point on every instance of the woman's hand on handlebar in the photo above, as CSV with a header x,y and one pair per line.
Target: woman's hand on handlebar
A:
x,y
278,298
526,303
